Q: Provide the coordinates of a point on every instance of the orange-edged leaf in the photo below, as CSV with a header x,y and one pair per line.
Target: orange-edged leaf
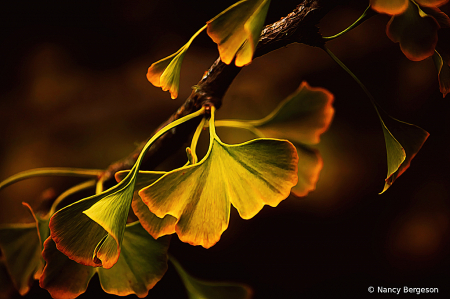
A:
x,y
90,231
248,175
200,289
142,263
165,73
309,166
403,141
236,30
63,278
301,118
390,7
154,225
443,68
415,31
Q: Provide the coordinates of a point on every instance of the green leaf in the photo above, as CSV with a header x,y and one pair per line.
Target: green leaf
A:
x,y
20,247
90,231
165,73
402,148
154,225
443,68
141,265
236,30
301,118
248,175
201,289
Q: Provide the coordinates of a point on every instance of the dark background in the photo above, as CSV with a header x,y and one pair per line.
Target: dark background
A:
x,y
74,94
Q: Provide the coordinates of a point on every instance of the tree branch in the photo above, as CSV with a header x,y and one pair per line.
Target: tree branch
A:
x,y
299,26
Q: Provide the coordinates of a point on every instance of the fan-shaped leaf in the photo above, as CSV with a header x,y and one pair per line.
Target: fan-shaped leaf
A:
x,y
201,289
301,118
247,175
165,73
309,166
236,30
141,265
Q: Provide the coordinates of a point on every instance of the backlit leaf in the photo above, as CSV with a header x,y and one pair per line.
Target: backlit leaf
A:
x,y
302,117
236,30
201,289
248,175
90,231
154,225
141,265
415,31
165,73
402,148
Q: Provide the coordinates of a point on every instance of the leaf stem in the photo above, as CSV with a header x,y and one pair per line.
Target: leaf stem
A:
x,y
195,138
51,171
363,87
365,16
239,124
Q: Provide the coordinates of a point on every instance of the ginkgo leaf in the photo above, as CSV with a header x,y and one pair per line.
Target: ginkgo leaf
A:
x,y
21,249
236,30
90,231
141,265
154,225
415,31
63,278
302,117
21,246
403,141
201,289
165,73
443,69
248,175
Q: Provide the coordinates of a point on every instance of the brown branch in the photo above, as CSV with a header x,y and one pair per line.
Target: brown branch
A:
x,y
299,26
